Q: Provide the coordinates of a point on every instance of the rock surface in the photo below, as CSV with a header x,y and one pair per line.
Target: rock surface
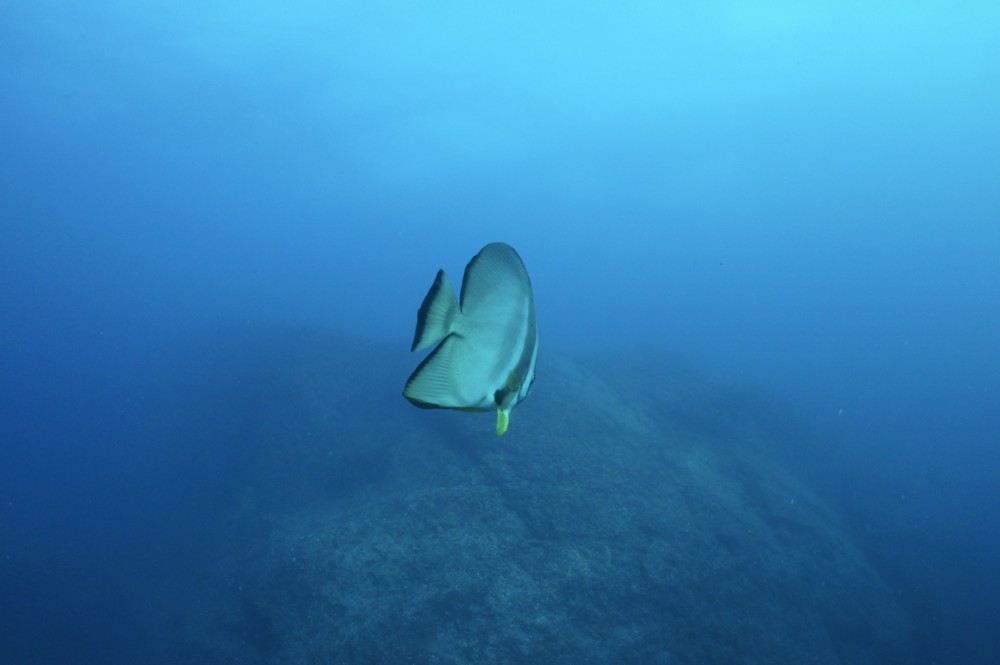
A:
x,y
632,514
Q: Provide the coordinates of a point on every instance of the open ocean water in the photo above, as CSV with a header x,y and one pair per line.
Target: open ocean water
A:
x,y
764,240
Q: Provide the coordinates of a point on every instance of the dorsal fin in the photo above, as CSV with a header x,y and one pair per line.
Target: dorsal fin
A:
x,y
436,316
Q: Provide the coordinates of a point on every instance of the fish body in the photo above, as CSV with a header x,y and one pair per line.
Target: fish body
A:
x,y
487,341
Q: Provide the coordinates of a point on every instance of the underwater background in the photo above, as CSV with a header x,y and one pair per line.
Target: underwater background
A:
x,y
764,239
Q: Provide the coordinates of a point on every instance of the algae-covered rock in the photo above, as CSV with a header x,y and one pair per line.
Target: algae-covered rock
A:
x,y
618,521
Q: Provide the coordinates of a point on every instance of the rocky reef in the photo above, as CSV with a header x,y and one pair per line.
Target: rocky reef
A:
x,y
634,513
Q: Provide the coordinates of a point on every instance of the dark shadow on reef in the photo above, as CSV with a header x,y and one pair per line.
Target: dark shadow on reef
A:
x,y
630,515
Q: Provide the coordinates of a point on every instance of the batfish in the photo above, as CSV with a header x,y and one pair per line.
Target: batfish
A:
x,y
488,339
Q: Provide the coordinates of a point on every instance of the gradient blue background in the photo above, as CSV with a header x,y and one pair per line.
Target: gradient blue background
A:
x,y
801,198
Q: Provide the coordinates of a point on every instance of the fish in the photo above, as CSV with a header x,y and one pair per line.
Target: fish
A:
x,y
487,341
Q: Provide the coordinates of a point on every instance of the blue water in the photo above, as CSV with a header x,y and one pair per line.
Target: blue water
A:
x,y
199,202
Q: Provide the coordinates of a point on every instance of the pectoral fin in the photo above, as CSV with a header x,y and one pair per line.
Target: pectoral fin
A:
x,y
503,419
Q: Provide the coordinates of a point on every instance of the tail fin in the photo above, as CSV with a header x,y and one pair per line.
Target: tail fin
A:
x,y
437,313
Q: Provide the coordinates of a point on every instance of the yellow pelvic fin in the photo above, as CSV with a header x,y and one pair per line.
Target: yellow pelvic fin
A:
x,y
503,419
